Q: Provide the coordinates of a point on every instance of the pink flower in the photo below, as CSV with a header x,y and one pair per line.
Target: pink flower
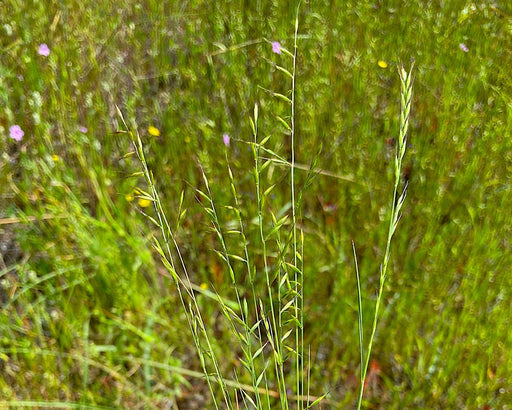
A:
x,y
16,133
82,129
44,50
276,47
226,140
463,47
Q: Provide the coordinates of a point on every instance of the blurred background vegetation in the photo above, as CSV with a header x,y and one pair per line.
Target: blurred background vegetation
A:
x,y
87,316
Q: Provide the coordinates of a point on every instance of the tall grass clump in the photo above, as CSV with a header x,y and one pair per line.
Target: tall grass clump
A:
x,y
265,312
266,316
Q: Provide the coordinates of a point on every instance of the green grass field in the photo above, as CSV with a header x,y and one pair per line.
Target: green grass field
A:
x,y
89,315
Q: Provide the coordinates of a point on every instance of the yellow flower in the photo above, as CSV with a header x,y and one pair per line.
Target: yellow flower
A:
x,y
203,286
128,197
144,203
155,132
55,158
382,64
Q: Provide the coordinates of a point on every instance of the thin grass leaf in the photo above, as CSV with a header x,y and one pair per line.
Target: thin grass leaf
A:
x,y
181,218
258,352
282,97
359,314
247,397
283,121
202,194
290,349
247,366
253,126
233,232
265,165
277,227
284,279
153,220
269,190
236,257
294,268
262,143
285,336
317,401
128,154
255,326
287,306
260,377
284,70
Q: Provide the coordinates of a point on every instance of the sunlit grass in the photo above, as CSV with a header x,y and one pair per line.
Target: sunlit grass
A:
x,y
77,274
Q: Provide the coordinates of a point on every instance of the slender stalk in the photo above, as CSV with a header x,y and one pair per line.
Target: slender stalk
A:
x,y
299,304
396,206
273,338
360,312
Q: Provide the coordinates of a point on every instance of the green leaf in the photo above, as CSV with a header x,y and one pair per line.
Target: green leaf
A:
x,y
264,141
129,154
253,126
285,124
265,165
317,401
258,352
152,219
282,97
269,190
254,327
285,336
284,70
286,307
260,377
245,364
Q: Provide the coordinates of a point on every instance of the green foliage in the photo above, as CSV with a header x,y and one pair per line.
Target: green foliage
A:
x,y
88,316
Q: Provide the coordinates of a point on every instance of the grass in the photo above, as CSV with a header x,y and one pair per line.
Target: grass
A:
x,y
89,317
261,331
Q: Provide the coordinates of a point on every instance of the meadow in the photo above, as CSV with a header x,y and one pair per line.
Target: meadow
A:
x,y
116,115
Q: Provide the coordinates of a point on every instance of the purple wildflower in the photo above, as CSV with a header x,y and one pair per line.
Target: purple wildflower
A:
x,y
16,133
226,139
463,47
44,50
276,47
82,129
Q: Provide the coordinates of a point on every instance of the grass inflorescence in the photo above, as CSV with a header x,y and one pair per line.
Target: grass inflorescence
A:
x,y
269,324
